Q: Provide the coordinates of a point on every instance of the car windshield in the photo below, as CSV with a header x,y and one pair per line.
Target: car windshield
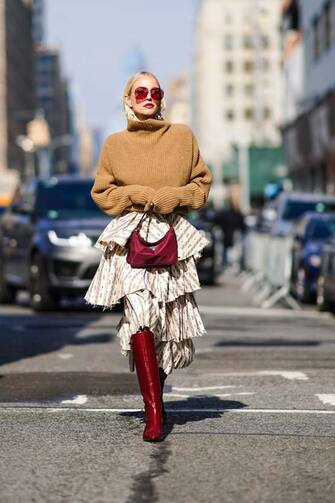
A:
x,y
295,209
65,200
321,229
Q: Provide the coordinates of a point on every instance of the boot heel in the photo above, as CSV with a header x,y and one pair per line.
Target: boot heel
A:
x,y
162,378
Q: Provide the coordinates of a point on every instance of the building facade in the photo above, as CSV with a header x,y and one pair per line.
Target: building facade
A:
x,y
293,59
179,102
309,137
17,89
53,99
237,95
39,21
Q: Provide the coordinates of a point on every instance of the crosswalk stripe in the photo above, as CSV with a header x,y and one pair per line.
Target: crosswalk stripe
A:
x,y
172,411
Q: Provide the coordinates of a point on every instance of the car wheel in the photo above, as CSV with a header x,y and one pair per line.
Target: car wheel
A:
x,y
41,298
321,300
7,292
302,286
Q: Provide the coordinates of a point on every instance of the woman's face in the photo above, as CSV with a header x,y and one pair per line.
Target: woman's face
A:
x,y
146,108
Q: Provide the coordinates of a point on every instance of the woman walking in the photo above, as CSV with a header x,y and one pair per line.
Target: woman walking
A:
x,y
149,175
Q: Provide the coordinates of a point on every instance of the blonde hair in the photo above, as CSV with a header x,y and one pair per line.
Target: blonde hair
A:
x,y
127,91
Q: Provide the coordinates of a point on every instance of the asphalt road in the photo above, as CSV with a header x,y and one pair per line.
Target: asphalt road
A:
x,y
252,420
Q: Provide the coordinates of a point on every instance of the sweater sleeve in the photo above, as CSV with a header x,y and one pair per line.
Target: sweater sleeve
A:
x,y
111,198
194,194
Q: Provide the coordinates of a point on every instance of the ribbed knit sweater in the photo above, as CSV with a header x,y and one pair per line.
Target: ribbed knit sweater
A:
x,y
152,161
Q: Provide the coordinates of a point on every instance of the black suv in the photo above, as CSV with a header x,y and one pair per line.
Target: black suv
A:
x,y
47,235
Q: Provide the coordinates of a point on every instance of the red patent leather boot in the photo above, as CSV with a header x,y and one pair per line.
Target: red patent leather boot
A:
x,y
143,346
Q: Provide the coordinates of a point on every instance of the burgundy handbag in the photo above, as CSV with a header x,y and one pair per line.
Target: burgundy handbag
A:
x,y
142,254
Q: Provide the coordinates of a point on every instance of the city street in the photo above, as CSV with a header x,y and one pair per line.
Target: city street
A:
x,y
252,420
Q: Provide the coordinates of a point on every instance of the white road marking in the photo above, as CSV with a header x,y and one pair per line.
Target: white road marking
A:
x,y
202,388
178,395
235,394
235,411
222,395
326,399
174,410
205,350
287,374
259,312
78,400
65,356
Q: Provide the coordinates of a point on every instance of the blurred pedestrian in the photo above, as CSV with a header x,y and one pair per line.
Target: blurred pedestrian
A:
x,y
230,219
152,173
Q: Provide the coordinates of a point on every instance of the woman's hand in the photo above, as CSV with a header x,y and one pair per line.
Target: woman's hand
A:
x,y
166,199
140,194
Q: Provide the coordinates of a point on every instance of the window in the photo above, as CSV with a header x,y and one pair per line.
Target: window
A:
x,y
248,114
24,199
265,41
228,17
264,12
249,89
265,65
229,115
229,66
228,42
317,34
327,21
332,22
65,200
248,66
323,30
267,113
319,229
247,42
229,90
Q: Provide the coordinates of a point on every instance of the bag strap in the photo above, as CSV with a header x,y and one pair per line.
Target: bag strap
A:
x,y
141,219
148,212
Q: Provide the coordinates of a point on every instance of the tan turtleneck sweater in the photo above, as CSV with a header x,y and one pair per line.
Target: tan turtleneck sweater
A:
x,y
152,161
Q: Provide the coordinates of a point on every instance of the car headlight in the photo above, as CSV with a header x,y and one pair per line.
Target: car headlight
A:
x,y
314,260
79,239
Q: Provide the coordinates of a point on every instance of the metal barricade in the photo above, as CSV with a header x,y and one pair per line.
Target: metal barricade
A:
x,y
269,261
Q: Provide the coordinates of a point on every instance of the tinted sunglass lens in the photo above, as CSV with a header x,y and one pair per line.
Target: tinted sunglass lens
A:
x,y
141,93
157,94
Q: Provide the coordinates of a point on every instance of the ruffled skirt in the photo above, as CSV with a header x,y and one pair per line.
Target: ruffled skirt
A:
x,y
158,297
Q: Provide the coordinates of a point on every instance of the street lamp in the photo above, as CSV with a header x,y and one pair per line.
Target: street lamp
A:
x,y
28,147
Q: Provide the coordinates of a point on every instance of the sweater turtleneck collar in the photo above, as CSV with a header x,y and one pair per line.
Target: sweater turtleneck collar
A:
x,y
146,125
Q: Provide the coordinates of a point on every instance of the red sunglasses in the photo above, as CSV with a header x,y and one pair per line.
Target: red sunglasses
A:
x,y
141,93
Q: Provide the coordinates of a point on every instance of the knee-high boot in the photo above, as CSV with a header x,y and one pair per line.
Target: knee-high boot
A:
x,y
143,346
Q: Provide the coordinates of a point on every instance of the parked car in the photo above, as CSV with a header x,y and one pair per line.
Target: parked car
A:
x,y
326,281
309,236
280,215
46,240
209,265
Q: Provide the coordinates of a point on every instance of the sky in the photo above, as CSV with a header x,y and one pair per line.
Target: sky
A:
x,y
101,39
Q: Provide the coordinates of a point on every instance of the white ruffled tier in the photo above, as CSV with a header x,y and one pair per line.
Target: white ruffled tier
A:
x,y
173,324
172,321
158,297
115,278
